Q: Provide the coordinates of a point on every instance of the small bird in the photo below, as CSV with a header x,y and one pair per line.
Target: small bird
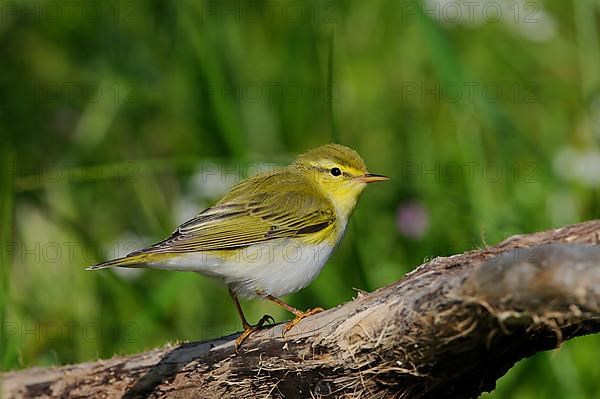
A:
x,y
271,234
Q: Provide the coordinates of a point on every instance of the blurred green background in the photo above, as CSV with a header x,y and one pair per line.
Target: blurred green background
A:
x,y
120,120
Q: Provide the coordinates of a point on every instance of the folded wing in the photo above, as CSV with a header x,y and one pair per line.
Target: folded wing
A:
x,y
249,220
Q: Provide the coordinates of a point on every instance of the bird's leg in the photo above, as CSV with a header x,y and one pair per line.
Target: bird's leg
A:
x,y
298,313
248,328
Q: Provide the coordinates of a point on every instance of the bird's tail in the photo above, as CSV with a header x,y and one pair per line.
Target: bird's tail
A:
x,y
133,260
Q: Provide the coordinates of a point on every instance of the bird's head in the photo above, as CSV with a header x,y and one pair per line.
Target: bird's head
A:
x,y
338,172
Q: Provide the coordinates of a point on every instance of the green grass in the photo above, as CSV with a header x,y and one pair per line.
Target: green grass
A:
x,y
178,96
6,234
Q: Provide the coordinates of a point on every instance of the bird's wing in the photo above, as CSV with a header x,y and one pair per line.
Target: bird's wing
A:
x,y
258,218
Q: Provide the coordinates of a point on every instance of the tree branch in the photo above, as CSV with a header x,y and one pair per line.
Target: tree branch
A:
x,y
450,328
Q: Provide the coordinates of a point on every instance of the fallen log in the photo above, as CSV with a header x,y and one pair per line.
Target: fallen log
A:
x,y
450,328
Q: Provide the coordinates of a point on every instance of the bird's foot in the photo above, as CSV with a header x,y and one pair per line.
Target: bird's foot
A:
x,y
299,317
249,329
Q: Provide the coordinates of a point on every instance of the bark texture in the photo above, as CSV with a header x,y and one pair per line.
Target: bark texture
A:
x,y
450,328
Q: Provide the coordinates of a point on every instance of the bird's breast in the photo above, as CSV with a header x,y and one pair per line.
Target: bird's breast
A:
x,y
276,269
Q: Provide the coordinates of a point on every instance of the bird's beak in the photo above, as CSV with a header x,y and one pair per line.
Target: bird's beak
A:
x,y
372,178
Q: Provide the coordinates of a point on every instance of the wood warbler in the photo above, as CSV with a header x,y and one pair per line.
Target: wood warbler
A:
x,y
271,234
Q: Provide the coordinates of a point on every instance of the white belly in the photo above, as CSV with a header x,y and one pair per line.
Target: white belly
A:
x,y
277,268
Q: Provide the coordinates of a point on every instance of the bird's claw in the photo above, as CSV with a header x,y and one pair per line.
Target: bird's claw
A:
x,y
249,329
299,317
268,319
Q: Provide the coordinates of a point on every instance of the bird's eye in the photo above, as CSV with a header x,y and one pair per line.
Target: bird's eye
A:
x,y
335,171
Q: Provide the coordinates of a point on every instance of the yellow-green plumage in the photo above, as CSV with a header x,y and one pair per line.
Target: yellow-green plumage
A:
x,y
305,205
